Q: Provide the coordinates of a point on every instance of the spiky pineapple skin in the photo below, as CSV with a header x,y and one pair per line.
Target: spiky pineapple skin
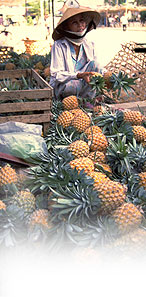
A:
x,y
70,102
98,177
82,163
8,175
39,217
2,205
127,217
79,148
142,181
97,156
81,121
107,76
65,119
25,200
139,133
96,139
133,117
112,195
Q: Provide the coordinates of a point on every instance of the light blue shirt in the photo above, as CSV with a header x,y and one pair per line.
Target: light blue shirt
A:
x,y
63,68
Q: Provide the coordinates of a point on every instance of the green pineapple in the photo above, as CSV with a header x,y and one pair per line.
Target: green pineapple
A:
x,y
25,200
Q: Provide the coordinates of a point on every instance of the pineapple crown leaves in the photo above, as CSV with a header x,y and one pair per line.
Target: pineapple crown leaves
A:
x,y
76,202
138,154
51,170
58,136
119,157
98,83
54,169
13,226
122,81
110,121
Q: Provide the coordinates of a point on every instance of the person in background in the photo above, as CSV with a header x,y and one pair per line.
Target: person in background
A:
x,y
124,21
73,58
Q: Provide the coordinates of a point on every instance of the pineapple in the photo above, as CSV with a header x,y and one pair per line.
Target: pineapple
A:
x,y
133,241
92,130
46,72
107,78
79,148
96,139
25,200
112,195
98,177
39,66
101,167
133,117
81,121
2,205
76,111
39,217
142,181
8,175
70,102
127,217
98,157
65,119
82,163
139,133
99,110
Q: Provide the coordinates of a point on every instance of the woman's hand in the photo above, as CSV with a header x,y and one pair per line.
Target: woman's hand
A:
x,y
85,75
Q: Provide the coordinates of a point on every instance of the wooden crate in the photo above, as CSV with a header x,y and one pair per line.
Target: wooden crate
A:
x,y
31,111
138,106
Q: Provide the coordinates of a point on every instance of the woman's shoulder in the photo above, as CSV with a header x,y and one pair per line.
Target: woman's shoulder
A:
x,y
88,43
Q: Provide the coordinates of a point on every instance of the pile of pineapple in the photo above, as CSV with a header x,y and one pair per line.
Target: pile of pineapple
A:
x,y
41,63
88,191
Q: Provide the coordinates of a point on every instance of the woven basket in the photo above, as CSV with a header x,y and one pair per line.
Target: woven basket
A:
x,y
133,64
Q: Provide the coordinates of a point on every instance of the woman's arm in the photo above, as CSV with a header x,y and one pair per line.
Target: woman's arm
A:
x,y
61,64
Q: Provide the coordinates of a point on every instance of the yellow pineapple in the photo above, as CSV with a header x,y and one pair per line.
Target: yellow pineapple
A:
x,y
92,130
107,77
65,119
79,148
39,65
127,217
112,195
82,163
99,110
70,102
98,177
75,111
40,217
105,167
142,181
46,72
133,117
139,133
8,175
2,205
96,139
97,156
133,241
95,74
81,121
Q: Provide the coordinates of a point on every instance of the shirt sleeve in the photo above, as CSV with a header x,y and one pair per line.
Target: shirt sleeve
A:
x,y
60,69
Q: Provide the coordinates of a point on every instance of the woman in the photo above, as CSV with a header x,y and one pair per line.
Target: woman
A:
x,y
73,58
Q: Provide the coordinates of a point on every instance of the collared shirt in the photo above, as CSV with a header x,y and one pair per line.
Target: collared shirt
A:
x,y
62,67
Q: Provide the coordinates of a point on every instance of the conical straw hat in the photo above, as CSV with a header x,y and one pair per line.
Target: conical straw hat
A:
x,y
93,16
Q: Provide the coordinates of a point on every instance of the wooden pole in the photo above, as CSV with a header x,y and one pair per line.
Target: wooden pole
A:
x,y
53,14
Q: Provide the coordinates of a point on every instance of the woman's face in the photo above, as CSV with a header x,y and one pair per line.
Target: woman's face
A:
x,y
76,23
